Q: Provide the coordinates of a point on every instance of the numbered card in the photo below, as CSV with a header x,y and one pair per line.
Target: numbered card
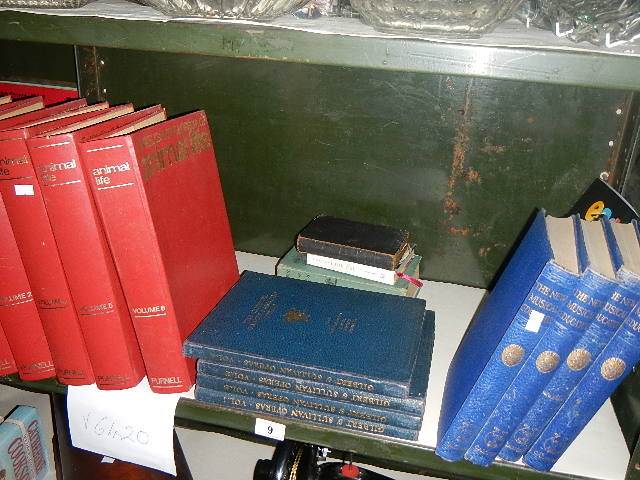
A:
x,y
133,425
270,429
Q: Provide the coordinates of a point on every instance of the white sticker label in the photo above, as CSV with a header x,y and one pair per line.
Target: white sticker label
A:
x,y
24,190
108,460
534,322
270,429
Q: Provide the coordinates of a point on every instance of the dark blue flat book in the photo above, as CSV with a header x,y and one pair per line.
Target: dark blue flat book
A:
x,y
300,414
413,404
537,280
625,251
569,324
362,340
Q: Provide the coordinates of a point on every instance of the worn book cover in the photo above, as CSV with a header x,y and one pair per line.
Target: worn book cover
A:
x,y
335,335
379,246
99,301
537,280
294,265
160,200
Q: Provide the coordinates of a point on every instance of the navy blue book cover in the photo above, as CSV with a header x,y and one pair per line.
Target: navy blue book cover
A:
x,y
363,340
506,328
413,404
568,326
607,372
300,414
624,297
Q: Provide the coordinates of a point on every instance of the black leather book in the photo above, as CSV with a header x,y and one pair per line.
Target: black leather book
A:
x,y
364,243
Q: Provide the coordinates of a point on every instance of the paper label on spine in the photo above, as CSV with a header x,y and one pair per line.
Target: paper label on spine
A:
x,y
535,321
24,190
269,429
375,274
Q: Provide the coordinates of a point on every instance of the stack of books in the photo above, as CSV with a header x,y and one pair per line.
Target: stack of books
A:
x,y
346,253
553,339
116,242
317,353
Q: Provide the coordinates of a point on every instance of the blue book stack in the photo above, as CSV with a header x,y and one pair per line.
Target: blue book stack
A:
x,y
536,282
304,351
607,372
625,251
569,323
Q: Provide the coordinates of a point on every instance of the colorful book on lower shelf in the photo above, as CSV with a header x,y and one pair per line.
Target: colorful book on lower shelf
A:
x,y
23,451
338,336
160,200
294,265
537,280
568,325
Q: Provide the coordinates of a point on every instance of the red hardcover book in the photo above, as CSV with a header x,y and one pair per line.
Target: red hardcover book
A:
x,y
32,230
7,363
12,109
18,313
5,99
95,288
160,200
42,115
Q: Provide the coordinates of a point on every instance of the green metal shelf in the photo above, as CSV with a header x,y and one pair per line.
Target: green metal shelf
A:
x,y
553,62
374,449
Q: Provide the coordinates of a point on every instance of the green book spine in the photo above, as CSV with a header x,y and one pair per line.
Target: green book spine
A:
x,y
294,265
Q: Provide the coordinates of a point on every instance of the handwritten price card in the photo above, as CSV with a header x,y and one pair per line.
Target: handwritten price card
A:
x,y
134,425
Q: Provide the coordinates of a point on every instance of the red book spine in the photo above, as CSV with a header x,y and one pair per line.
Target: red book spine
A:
x,y
97,294
160,199
33,235
123,211
7,363
18,313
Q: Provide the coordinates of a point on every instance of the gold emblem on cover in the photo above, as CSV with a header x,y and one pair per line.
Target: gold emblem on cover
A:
x,y
612,368
295,316
578,359
512,355
547,361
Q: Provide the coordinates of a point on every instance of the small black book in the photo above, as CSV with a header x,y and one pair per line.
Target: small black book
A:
x,y
364,243
601,201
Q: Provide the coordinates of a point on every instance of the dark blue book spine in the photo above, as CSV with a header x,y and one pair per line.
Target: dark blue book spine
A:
x,y
251,362
615,362
606,323
554,346
299,414
550,291
412,406
323,404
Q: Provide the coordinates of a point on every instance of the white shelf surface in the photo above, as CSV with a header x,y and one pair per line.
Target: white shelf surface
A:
x,y
454,306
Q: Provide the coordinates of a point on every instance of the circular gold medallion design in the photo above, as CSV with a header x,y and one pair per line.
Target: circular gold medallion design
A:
x,y
512,355
578,359
547,361
612,368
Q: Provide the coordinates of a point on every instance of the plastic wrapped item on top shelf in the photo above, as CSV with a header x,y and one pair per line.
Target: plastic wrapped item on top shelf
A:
x,y
607,23
462,18
229,9
326,8
44,3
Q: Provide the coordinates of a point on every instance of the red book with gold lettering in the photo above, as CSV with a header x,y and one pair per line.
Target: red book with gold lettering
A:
x,y
18,314
161,202
7,363
32,230
93,281
43,114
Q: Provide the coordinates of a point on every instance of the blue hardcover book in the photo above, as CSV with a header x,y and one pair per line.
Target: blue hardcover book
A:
x,y
568,325
300,414
412,405
625,251
607,372
322,404
362,340
538,279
